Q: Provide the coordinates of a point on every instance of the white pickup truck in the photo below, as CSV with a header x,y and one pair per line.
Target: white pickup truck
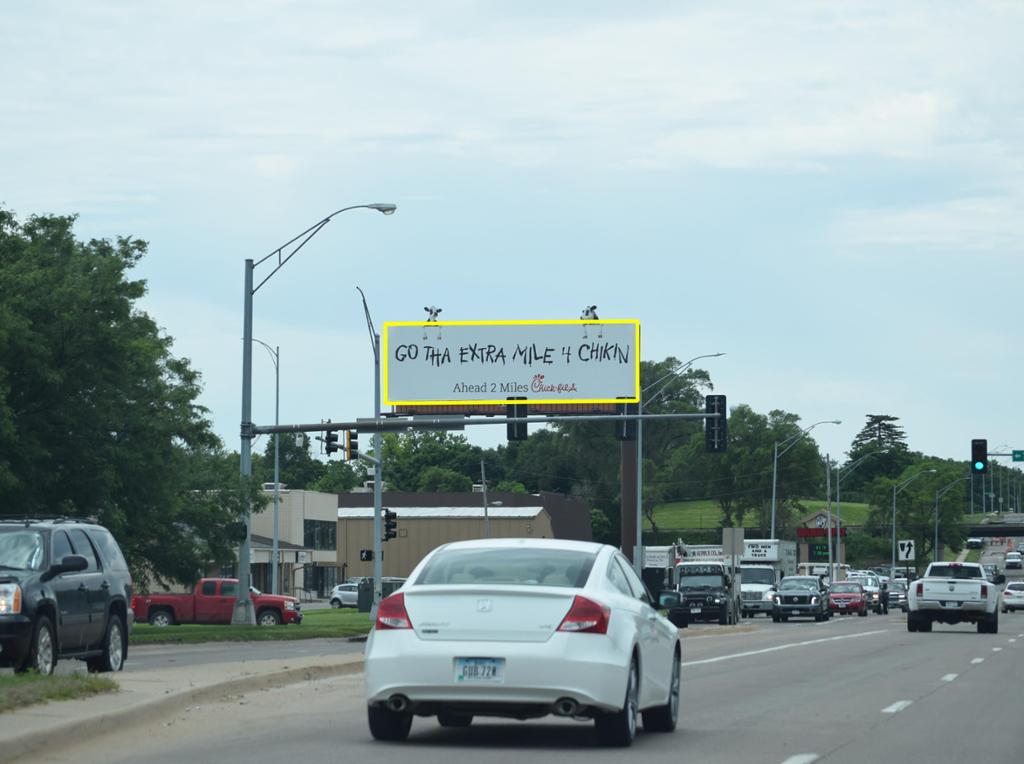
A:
x,y
953,592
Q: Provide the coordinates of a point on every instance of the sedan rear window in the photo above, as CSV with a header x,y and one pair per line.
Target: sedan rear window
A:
x,y
509,566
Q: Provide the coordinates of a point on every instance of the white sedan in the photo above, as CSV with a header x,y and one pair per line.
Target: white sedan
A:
x,y
523,628
1013,597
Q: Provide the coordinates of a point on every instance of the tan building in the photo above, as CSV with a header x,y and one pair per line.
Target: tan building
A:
x,y
427,520
307,543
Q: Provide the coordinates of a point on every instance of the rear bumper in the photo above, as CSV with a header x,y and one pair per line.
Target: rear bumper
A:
x,y
849,607
586,668
947,612
757,606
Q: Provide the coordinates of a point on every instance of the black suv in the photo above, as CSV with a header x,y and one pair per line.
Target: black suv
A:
x,y
65,592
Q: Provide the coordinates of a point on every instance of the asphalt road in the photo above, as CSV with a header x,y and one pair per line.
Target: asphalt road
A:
x,y
848,690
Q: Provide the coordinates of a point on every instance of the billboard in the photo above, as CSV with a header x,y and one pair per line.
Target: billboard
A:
x,y
487,362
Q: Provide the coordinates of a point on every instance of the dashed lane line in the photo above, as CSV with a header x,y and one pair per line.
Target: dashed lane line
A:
x,y
978,660
949,677
801,758
786,646
896,707
997,649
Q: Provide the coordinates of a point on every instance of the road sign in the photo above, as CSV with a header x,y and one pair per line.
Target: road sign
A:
x,y
1018,456
443,363
905,550
365,555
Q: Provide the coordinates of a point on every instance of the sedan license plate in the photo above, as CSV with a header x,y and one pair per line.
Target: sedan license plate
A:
x,y
695,610
796,612
480,670
843,604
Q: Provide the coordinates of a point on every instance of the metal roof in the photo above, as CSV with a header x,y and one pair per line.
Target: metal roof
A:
x,y
358,513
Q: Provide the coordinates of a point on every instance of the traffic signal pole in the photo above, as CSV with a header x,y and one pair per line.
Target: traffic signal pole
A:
x,y
378,530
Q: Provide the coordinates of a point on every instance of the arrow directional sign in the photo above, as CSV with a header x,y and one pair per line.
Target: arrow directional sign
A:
x,y
1018,456
906,550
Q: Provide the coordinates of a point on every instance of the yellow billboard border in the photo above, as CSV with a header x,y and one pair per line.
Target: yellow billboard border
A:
x,y
526,322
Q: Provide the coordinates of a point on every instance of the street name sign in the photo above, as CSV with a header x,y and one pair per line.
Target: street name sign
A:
x,y
487,362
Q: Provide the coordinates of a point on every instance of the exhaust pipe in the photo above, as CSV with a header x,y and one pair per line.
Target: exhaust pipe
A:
x,y
398,703
566,707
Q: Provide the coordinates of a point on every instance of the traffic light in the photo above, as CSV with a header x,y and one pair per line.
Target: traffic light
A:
x,y
351,445
515,430
626,429
979,456
715,427
331,442
237,531
390,524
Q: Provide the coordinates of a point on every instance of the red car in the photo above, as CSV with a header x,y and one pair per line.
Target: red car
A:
x,y
213,601
848,597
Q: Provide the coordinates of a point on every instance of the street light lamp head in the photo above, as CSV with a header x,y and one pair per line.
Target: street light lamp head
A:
x,y
836,421
384,207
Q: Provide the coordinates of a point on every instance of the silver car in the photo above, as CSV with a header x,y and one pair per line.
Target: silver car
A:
x,y
345,595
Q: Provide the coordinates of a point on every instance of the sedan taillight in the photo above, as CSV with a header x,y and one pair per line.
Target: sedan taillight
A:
x,y
586,617
391,613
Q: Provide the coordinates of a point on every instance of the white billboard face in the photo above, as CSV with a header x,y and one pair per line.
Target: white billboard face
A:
x,y
449,362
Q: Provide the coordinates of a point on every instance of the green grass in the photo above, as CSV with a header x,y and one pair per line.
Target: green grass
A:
x,y
20,690
973,555
315,624
707,514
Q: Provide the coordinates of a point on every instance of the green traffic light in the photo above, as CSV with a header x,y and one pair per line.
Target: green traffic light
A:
x,y
979,466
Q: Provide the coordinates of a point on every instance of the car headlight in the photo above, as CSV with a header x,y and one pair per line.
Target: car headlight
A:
x,y
814,600
768,596
10,599
718,600
777,599
289,606
874,596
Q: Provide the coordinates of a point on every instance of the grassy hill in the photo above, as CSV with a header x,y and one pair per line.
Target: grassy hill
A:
x,y
707,514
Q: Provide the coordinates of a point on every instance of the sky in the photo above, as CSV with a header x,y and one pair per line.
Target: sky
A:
x,y
830,193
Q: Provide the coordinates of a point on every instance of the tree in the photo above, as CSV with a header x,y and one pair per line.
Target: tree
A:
x,y
915,506
443,479
408,455
97,417
338,477
299,470
886,443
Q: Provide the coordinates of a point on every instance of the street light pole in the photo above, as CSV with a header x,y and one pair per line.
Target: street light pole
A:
x,y
895,490
938,495
243,610
839,480
275,354
638,555
789,443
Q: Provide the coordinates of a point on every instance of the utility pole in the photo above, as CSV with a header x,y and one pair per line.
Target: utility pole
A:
x,y
487,518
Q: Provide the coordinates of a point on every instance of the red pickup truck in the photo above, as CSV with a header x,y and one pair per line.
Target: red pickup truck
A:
x,y
213,601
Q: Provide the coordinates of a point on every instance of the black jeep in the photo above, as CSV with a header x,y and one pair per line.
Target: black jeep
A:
x,y
65,592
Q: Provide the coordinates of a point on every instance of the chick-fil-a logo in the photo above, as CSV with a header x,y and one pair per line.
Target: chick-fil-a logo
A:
x,y
540,386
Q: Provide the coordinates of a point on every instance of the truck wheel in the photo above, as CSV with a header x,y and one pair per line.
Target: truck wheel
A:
x,y
775,618
42,652
114,648
863,613
723,618
911,624
925,625
161,618
268,618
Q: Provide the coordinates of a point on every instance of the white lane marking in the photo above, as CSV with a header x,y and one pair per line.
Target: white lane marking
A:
x,y
783,647
949,677
997,649
896,707
1011,640
801,758
978,660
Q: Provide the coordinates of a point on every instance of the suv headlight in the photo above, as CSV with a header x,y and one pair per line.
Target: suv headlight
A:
x,y
10,599
777,599
769,596
814,600
289,605
718,600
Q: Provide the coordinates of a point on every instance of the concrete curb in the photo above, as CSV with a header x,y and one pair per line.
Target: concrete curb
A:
x,y
87,726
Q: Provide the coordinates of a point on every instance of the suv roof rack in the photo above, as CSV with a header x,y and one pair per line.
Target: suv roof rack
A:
x,y
29,519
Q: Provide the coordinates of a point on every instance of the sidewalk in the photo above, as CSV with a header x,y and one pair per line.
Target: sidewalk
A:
x,y
150,695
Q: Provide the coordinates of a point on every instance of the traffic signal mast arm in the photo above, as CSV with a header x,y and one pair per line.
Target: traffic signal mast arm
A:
x,y
397,424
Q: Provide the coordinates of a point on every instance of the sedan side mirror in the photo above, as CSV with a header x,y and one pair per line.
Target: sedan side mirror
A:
x,y
669,600
70,564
